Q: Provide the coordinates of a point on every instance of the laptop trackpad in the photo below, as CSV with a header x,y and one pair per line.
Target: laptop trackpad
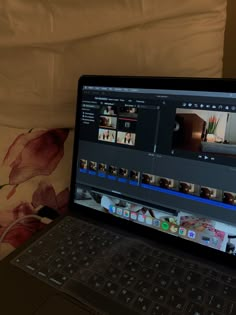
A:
x,y
60,306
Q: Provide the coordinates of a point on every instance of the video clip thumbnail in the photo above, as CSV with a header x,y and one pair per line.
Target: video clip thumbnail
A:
x,y
123,172
128,111
83,164
134,175
109,110
107,135
102,167
126,138
112,170
210,193
92,166
108,122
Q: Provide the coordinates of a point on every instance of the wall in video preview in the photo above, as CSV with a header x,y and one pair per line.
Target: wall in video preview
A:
x,y
205,131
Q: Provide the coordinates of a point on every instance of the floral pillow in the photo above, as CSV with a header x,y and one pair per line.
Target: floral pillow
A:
x,y
35,168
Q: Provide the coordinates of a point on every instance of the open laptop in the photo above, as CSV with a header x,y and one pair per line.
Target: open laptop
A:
x,y
152,222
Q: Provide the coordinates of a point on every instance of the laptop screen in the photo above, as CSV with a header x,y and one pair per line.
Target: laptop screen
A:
x,y
163,158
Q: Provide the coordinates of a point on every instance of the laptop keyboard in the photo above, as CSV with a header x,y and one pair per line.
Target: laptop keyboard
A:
x,y
116,274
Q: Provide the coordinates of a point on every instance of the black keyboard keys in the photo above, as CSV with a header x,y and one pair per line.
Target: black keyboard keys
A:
x,y
215,302
126,296
142,304
176,302
159,309
196,295
158,294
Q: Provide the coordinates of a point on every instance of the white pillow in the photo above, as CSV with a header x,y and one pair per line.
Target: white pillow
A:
x,y
45,47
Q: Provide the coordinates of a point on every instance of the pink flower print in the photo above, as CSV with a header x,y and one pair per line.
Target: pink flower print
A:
x,y
35,153
45,195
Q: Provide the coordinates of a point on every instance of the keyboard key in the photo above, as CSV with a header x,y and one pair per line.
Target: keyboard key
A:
x,y
58,263
34,265
142,287
176,302
177,261
229,292
142,304
211,273
58,278
113,272
231,309
159,310
132,266
191,265
196,295
158,294
126,296
146,273
82,275
215,302
177,286
45,271
126,279
193,278
161,265
195,309
111,288
96,281
176,272
70,269
211,285
22,260
229,280
162,280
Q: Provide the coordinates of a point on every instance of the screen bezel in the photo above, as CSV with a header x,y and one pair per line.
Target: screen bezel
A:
x,y
168,83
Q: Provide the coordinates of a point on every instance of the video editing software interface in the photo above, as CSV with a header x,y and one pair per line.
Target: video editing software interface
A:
x,y
162,158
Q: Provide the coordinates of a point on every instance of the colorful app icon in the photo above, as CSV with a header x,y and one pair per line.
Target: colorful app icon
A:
x,y
165,225
141,218
126,213
112,209
156,222
149,220
182,231
191,234
174,228
133,215
119,211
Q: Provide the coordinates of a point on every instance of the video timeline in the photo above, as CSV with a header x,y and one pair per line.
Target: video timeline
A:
x,y
200,193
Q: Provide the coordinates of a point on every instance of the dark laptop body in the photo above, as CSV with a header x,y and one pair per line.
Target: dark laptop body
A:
x,y
123,105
